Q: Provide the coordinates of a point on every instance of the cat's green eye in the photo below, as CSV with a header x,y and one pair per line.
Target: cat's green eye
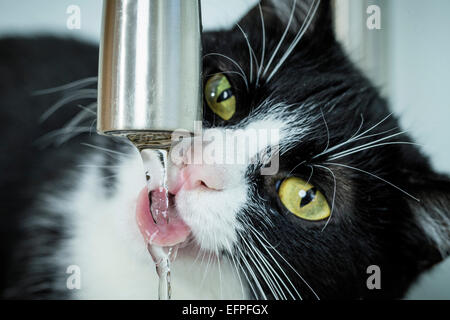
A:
x,y
219,96
304,200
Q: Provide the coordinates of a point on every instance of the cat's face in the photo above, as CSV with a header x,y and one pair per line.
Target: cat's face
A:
x,y
346,194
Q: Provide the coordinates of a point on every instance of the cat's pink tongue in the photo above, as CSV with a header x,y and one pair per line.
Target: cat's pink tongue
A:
x,y
163,233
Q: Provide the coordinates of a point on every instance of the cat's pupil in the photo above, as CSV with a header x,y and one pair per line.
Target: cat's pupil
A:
x,y
308,197
226,94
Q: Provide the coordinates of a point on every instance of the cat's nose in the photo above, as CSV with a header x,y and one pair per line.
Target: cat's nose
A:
x,y
194,176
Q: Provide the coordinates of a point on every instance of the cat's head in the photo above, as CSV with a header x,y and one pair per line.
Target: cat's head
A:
x,y
351,191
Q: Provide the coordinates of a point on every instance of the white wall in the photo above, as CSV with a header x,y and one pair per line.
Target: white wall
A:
x,y
419,70
37,16
49,16
419,89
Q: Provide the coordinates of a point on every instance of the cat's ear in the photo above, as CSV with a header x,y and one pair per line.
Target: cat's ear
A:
x,y
432,210
315,16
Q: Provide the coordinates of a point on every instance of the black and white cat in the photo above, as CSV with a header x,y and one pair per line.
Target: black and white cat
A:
x,y
68,196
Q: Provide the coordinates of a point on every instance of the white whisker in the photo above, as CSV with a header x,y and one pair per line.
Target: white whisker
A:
x,y
377,134
328,132
55,133
82,115
244,77
202,282
252,273
368,144
235,267
373,175
109,151
353,138
255,232
371,147
281,39
77,95
334,194
260,269
96,166
72,86
359,128
298,37
88,108
92,126
251,53
274,273
263,27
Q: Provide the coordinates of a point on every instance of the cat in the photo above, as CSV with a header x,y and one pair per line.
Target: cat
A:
x,y
352,193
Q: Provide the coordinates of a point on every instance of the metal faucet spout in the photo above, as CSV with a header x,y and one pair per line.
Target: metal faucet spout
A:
x,y
149,68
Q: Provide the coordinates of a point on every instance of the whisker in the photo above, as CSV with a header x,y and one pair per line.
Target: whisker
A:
x,y
206,270
235,267
96,166
377,134
263,27
334,194
224,72
274,273
297,38
255,232
328,131
374,126
371,147
373,175
72,85
251,53
360,127
199,252
218,266
92,126
88,108
245,274
270,273
353,138
104,149
298,165
78,118
369,143
261,270
244,77
233,263
252,273
281,39
109,177
77,95
44,139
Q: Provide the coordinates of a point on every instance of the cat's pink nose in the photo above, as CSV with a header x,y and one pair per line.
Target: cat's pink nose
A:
x,y
199,176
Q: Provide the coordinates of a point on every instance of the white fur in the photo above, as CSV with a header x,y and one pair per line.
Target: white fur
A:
x,y
436,225
110,251
108,248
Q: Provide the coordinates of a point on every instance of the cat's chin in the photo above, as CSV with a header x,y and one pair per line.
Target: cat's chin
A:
x,y
163,233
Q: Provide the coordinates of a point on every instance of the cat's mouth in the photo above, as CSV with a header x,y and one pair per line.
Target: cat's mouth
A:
x,y
169,230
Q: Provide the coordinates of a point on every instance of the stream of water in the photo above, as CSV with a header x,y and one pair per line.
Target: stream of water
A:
x,y
156,175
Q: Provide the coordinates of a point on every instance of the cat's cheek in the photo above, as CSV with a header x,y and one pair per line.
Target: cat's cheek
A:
x,y
212,215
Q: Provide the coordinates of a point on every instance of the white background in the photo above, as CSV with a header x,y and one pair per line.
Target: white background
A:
x,y
417,65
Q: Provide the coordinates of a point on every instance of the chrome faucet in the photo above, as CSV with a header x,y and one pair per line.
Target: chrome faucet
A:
x,y
150,69
150,86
